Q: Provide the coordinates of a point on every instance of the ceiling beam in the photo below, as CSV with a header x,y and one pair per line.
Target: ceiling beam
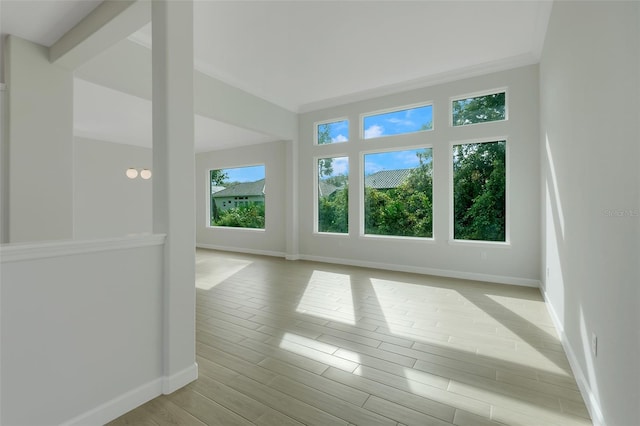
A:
x,y
107,24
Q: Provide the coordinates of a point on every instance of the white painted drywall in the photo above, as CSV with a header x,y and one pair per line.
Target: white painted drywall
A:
x,y
79,334
516,263
4,165
271,240
590,148
41,144
127,67
106,202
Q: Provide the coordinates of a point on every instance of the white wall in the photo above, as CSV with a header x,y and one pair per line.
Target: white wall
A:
x,y
4,165
516,263
106,202
81,339
590,115
127,67
271,240
41,144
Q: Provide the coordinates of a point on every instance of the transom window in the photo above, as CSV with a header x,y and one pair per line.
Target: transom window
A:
x,y
479,109
332,132
398,122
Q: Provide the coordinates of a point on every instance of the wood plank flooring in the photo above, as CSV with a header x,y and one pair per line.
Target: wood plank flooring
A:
x,y
290,343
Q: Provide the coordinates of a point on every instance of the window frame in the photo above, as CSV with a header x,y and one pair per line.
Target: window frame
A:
x,y
361,198
330,121
316,200
478,95
208,204
507,198
364,115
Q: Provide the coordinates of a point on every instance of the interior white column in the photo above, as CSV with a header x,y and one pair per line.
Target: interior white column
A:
x,y
174,182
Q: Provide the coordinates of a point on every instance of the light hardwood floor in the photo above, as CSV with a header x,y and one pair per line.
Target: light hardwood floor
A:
x,y
289,343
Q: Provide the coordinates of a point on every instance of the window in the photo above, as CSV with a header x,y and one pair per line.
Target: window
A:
x,y
479,191
479,109
398,122
333,195
332,132
398,193
238,197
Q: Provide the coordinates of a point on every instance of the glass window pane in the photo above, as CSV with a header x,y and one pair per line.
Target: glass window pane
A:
x,y
480,109
398,122
398,191
479,190
333,195
238,197
334,132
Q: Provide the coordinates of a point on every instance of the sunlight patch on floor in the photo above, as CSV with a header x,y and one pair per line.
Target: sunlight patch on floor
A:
x,y
211,275
328,295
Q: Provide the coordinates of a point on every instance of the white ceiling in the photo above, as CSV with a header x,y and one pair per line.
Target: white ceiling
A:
x,y
303,55
43,21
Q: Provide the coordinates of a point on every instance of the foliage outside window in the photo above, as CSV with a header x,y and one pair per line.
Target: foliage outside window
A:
x,y
479,191
480,109
398,193
238,197
398,122
333,195
333,132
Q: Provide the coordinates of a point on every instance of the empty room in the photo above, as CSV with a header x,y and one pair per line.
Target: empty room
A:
x,y
319,212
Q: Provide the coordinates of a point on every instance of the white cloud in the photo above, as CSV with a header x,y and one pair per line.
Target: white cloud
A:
x,y
370,167
406,123
408,159
340,166
374,131
339,138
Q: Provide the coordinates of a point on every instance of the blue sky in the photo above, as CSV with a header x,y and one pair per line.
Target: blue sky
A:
x,y
245,174
393,160
340,166
385,124
397,122
338,131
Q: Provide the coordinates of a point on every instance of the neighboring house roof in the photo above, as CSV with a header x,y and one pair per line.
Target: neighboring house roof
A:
x,y
215,189
385,179
325,189
243,189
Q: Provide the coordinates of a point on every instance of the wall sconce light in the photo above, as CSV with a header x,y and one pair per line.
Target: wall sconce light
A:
x,y
145,174
132,173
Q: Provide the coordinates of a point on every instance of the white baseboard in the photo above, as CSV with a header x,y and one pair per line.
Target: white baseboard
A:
x,y
124,403
498,279
182,378
593,406
241,250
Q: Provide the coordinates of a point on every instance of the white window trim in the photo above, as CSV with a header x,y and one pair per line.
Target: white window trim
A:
x,y
361,214
396,109
477,95
241,229
333,120
316,204
507,197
